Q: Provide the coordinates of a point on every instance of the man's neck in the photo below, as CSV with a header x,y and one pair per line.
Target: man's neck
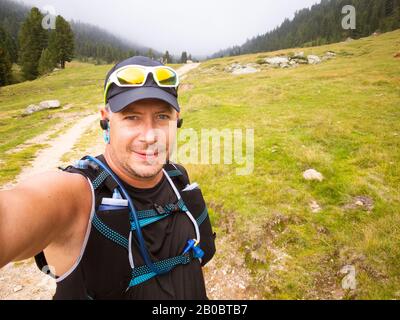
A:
x,y
137,182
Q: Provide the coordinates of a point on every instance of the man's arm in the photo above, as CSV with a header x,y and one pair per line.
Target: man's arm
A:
x,y
40,211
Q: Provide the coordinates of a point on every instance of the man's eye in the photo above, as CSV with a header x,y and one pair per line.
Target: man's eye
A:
x,y
164,117
132,118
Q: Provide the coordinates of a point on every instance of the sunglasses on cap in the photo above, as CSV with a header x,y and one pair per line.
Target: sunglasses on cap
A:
x,y
136,76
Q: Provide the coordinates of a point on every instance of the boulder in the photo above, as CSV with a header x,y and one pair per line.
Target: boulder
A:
x,y
49,104
277,61
245,70
312,174
298,55
312,59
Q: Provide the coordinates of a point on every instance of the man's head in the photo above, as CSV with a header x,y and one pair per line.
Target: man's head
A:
x,y
142,123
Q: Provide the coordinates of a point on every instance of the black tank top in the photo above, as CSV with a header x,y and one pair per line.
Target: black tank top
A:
x,y
104,272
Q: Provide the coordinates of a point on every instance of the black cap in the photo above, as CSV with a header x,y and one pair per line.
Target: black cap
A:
x,y
120,97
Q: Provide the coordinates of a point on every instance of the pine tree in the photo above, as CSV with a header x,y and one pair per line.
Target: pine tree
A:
x,y
167,57
32,40
5,60
184,57
61,42
47,62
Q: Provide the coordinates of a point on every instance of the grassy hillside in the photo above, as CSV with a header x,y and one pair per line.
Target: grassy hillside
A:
x,y
78,87
340,117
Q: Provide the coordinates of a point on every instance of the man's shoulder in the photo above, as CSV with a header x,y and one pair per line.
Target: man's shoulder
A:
x,y
181,170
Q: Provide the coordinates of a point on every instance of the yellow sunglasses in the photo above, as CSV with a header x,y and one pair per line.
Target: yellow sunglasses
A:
x,y
136,76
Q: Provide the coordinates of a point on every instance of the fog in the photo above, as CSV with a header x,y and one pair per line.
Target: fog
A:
x,y
198,27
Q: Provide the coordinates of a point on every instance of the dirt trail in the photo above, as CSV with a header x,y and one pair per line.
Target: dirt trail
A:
x,y
23,280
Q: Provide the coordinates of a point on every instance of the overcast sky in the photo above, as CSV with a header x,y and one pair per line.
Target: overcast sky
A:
x,y
199,27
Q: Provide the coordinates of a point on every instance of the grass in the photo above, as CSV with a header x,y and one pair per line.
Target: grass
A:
x,y
79,85
340,117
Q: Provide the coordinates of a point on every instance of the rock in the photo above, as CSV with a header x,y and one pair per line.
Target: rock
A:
x,y
17,288
360,202
245,70
233,67
397,55
328,55
312,59
31,109
349,39
375,34
277,61
314,206
312,174
298,55
49,104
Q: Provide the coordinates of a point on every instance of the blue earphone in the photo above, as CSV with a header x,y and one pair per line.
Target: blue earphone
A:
x,y
104,124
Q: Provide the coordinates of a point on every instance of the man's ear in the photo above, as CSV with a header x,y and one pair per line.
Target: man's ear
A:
x,y
105,116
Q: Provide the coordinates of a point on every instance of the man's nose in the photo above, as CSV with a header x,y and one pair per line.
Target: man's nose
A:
x,y
148,132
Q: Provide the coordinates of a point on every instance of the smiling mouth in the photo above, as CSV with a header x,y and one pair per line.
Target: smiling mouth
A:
x,y
145,155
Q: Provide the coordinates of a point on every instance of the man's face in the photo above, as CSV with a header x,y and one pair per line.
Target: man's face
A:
x,y
141,136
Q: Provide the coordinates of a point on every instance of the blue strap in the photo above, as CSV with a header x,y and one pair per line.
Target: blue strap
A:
x,y
144,214
143,273
100,179
200,219
109,233
174,173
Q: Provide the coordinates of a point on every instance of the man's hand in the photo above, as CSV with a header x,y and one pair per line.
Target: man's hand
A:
x,y
43,210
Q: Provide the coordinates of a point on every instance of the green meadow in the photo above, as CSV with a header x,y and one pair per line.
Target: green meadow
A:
x,y
340,117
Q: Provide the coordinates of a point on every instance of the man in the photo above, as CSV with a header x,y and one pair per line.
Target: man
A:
x,y
123,225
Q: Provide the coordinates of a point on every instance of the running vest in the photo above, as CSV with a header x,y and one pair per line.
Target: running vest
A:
x,y
104,268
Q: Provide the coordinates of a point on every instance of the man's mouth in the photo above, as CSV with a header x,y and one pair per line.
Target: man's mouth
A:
x,y
146,155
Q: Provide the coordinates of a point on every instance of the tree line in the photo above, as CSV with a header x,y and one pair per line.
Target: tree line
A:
x,y
37,51
322,24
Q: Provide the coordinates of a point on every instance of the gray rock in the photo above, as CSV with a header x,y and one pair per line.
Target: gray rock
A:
x,y
49,104
245,70
312,59
298,55
17,288
312,174
315,207
277,61
31,109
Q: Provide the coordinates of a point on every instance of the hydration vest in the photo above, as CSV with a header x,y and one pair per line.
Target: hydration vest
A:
x,y
111,264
